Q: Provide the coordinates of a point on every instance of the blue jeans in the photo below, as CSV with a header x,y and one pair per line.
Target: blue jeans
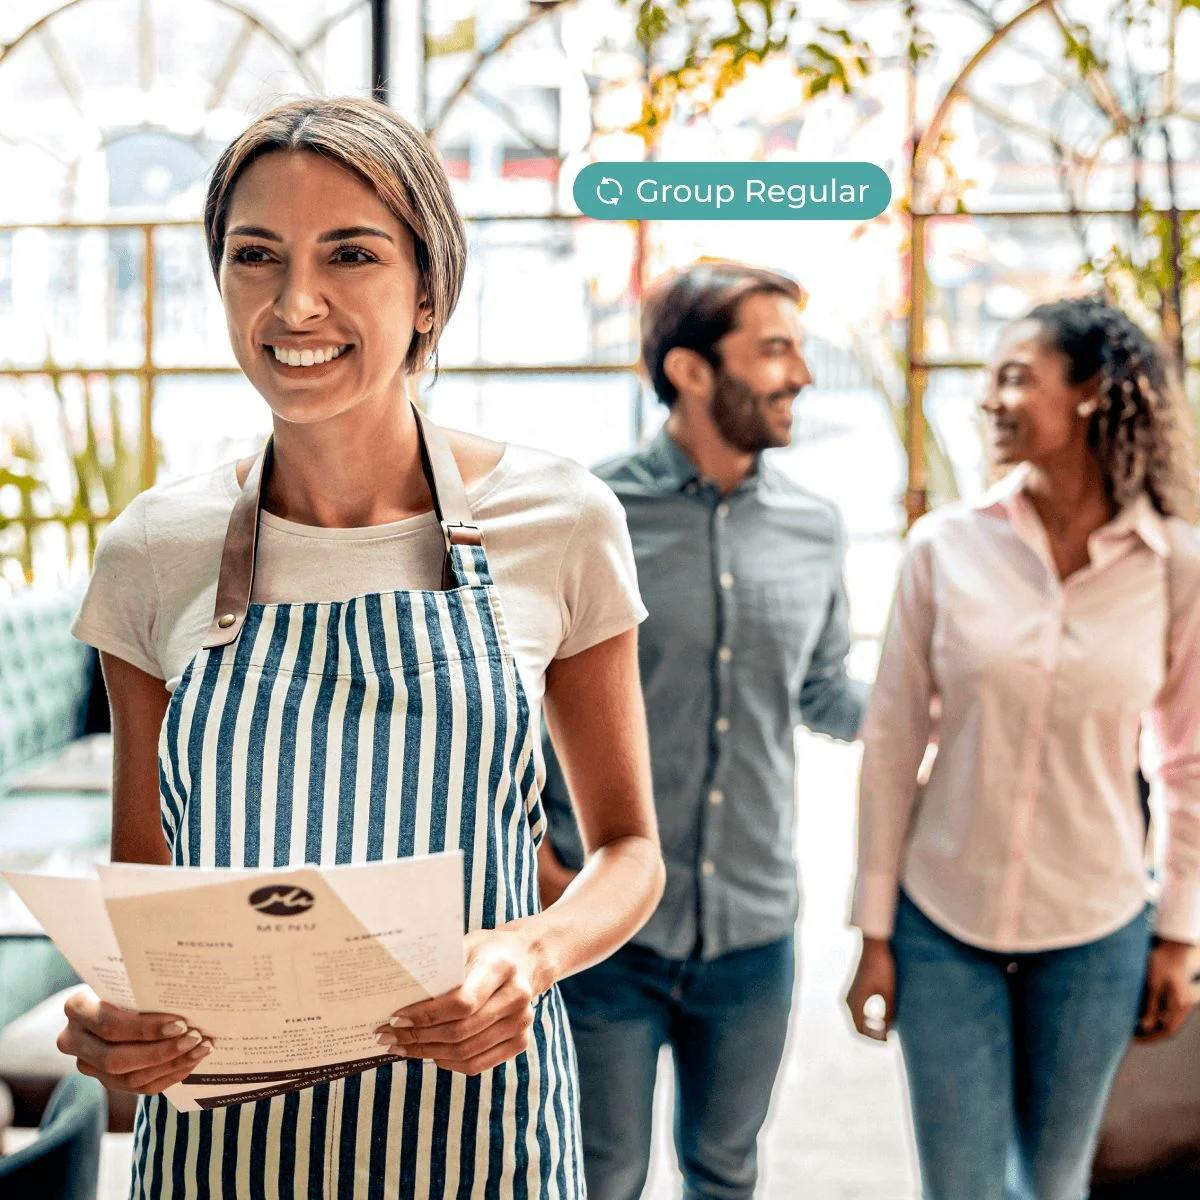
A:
x,y
726,1022
1010,1057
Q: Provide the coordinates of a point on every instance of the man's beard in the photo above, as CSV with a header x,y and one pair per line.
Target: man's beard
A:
x,y
740,414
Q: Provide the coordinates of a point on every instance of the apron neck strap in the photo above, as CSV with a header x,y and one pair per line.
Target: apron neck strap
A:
x,y
235,583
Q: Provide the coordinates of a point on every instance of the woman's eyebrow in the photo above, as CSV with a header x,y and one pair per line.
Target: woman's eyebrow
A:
x,y
255,231
353,231
334,235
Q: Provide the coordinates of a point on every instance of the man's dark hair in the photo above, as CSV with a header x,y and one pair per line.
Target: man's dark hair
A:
x,y
695,308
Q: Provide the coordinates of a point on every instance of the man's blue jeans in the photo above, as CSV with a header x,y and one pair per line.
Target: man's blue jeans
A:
x,y
1010,1057
725,1021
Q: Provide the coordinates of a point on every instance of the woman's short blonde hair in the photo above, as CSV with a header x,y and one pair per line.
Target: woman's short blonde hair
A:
x,y
387,151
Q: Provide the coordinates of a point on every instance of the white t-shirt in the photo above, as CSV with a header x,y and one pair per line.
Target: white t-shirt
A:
x,y
555,535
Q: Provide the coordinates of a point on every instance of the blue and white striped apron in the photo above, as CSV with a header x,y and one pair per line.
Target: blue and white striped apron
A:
x,y
387,725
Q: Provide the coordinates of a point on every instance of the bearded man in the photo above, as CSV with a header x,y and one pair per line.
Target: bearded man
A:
x,y
741,570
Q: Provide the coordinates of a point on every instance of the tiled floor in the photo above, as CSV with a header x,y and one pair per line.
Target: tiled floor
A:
x,y
838,1129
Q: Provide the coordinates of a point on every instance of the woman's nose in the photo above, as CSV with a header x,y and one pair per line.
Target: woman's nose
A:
x,y
300,300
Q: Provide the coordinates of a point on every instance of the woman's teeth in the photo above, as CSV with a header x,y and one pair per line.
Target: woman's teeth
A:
x,y
307,358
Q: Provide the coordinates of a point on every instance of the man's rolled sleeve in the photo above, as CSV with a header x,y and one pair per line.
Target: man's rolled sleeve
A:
x,y
830,701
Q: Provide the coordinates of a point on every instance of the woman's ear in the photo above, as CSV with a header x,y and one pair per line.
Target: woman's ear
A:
x,y
1090,402
424,320
1091,395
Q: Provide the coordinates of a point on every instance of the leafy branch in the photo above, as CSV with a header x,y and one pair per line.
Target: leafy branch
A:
x,y
695,53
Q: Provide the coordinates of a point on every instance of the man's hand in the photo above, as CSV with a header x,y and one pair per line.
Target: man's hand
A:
x,y
1170,992
127,1051
481,1023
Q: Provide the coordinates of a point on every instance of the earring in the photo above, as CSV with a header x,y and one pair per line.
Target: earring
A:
x,y
1087,407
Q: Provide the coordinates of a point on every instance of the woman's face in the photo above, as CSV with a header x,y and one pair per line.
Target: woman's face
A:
x,y
316,267
1032,408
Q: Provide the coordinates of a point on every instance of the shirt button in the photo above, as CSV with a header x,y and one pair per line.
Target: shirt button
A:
x,y
708,867
726,580
716,796
722,510
722,725
725,654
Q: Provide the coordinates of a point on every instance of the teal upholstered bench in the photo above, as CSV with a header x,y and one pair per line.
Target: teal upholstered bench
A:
x,y
54,783
44,680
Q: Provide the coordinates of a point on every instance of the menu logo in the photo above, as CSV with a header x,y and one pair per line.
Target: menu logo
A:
x,y
280,901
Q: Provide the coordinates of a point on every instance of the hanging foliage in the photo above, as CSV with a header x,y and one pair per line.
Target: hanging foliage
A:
x,y
697,51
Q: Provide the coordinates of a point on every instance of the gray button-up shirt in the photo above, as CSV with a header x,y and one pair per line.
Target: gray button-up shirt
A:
x,y
747,637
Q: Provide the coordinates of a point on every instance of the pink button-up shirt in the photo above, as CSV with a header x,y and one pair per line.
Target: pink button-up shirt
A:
x,y
1028,833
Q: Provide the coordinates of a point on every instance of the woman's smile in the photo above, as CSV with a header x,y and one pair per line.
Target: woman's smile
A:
x,y
315,359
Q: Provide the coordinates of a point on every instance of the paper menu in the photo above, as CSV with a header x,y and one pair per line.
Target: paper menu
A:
x,y
287,971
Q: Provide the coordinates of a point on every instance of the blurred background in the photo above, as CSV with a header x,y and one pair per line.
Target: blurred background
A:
x,y
1034,149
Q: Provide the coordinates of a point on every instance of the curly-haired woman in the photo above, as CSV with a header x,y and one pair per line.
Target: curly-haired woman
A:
x,y
1003,901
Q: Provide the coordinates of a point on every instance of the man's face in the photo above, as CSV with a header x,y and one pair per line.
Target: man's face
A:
x,y
761,372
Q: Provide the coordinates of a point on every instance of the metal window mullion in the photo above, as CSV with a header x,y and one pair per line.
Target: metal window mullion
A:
x,y
146,432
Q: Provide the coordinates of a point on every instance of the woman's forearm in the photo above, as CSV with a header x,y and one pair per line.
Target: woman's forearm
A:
x,y
605,905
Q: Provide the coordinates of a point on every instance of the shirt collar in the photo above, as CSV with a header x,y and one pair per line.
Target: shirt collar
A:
x,y
1139,518
671,466
674,470
1143,520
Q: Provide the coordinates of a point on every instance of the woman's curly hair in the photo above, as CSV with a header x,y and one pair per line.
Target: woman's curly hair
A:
x,y
1141,431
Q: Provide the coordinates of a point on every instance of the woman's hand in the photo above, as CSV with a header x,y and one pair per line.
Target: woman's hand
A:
x,y
481,1023
127,1051
875,976
1170,991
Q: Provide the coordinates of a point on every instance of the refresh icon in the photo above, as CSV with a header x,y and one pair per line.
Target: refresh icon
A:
x,y
614,192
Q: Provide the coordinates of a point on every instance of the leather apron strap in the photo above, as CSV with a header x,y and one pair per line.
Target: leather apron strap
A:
x,y
235,582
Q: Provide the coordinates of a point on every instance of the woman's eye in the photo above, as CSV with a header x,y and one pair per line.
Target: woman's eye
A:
x,y
250,256
353,255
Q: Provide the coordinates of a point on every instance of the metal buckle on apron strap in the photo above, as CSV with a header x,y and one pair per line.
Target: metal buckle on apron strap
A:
x,y
457,533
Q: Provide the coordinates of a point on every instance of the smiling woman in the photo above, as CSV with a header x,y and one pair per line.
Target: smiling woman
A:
x,y
1055,627
309,660
399,175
